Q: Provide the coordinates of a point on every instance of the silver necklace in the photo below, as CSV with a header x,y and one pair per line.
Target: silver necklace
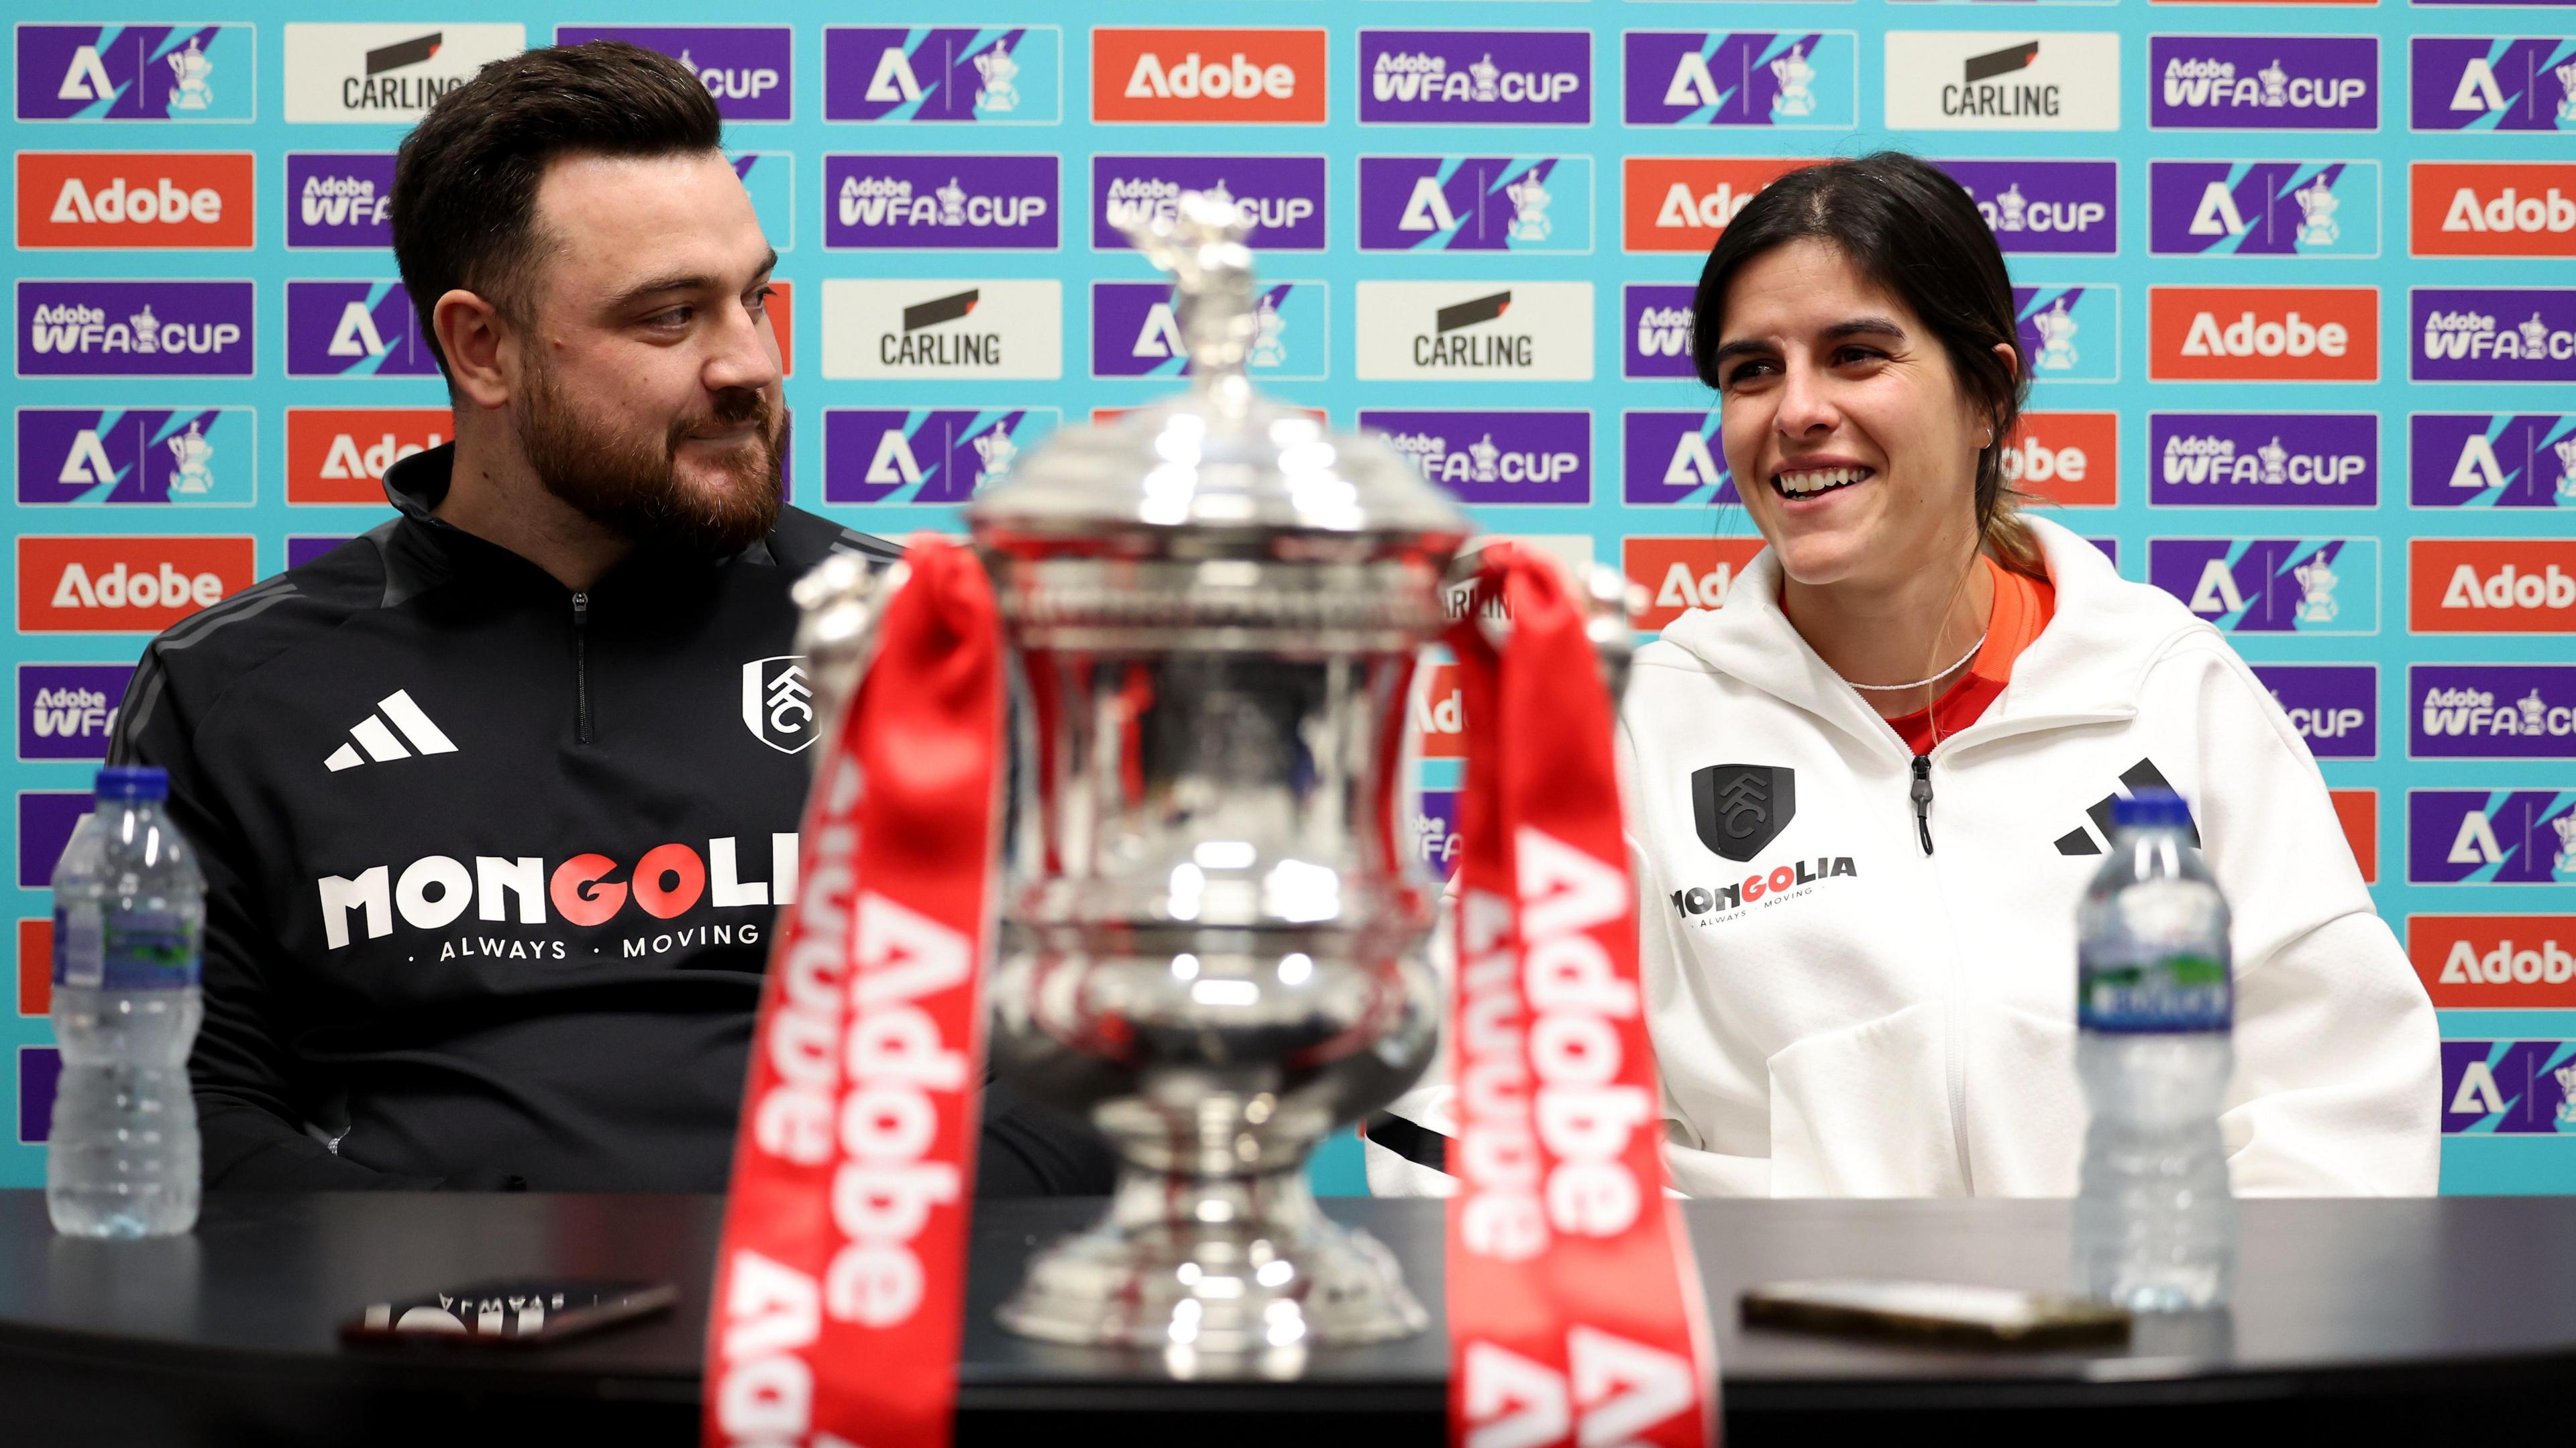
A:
x,y
1919,683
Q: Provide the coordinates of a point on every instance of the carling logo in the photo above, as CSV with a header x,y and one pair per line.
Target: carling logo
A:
x,y
2070,333
2069,458
2272,585
1790,79
1654,330
2510,1088
943,202
93,455
1136,331
2490,83
2263,334
769,179
2491,585
1676,575
2492,334
337,455
2263,208
2491,208
354,329
67,711
1997,80
1234,76
2491,962
1499,457
1490,331
2263,82
749,69
137,72
134,329
1476,203
2492,460
987,74
2045,208
124,584
389,72
2491,711
1681,203
2491,837
2263,459
2335,707
1475,77
1283,196
127,200
1673,456
339,199
934,327
924,455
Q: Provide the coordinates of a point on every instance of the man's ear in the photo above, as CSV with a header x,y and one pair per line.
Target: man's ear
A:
x,y
474,338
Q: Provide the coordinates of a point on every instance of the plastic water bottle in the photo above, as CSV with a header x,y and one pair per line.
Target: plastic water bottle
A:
x,y
129,912
2155,1224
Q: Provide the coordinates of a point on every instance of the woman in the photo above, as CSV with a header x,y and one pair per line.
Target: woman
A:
x,y
1866,795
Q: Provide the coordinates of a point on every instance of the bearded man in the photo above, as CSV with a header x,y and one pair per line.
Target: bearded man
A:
x,y
496,803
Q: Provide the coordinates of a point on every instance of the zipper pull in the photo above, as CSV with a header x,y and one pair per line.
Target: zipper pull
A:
x,y
1923,799
581,608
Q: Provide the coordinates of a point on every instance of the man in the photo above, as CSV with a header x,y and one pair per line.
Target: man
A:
x,y
496,803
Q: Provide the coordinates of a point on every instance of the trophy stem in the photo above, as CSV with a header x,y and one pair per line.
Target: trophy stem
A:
x,y
1219,1263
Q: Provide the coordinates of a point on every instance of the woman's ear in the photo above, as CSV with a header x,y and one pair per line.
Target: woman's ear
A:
x,y
2011,357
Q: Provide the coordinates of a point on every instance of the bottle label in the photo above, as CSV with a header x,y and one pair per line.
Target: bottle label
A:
x,y
137,952
2155,991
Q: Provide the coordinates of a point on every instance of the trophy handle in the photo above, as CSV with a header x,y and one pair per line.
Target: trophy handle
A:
x,y
1609,601
842,600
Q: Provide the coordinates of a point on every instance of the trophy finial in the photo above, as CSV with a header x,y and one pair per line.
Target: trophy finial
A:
x,y
1200,242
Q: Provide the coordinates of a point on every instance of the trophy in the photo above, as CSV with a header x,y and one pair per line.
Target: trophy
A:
x,y
1210,942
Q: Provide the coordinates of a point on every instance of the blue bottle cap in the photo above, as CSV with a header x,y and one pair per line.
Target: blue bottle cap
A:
x,y
2150,809
133,782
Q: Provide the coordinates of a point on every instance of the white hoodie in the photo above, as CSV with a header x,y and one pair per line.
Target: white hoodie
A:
x,y
1897,1024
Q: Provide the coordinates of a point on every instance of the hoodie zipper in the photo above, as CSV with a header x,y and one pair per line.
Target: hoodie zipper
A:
x,y
1922,793
1953,1045
581,668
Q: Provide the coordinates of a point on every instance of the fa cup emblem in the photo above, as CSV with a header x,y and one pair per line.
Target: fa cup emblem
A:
x,y
2276,460
146,329
952,203
1482,456
2566,1095
997,94
2009,208
2276,84
1529,208
1267,349
2535,712
1794,75
2316,590
2535,337
2317,204
190,68
192,453
2056,338
2565,864
1485,74
2566,450
997,450
2567,82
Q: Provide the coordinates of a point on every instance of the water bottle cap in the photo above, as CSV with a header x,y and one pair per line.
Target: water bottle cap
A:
x,y
133,782
2150,809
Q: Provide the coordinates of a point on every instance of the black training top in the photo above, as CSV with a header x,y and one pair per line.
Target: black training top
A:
x,y
491,865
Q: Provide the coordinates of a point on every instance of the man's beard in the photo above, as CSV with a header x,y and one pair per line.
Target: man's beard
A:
x,y
630,483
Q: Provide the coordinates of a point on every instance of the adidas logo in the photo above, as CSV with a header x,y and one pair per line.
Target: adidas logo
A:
x,y
377,738
2089,839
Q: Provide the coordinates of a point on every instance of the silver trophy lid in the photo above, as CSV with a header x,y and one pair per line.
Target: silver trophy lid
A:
x,y
1219,458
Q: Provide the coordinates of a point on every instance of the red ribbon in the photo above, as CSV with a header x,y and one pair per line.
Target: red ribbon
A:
x,y
840,1276
1575,1313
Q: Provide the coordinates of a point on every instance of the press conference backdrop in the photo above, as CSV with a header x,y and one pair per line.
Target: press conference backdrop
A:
x,y
2293,278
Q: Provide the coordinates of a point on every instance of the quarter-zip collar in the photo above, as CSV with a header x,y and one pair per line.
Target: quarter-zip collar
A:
x,y
2085,667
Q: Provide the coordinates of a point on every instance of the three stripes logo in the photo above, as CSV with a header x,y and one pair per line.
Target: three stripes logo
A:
x,y
377,737
2090,837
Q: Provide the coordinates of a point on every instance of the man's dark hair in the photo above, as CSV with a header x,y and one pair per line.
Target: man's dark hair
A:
x,y
1908,227
465,182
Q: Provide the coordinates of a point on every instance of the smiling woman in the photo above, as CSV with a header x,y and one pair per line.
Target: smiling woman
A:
x,y
1851,991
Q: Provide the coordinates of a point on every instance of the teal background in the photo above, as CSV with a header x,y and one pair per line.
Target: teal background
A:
x,y
795,203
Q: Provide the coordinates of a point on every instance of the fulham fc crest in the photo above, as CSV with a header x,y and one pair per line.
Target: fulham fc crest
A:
x,y
778,702
1742,807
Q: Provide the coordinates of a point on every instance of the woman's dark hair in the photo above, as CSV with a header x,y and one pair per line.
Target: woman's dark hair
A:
x,y
1914,232
465,181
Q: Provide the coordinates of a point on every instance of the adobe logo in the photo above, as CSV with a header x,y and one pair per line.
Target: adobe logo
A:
x,y
339,454
1236,76
125,584
2491,962
2491,585
1681,203
2491,208
1680,574
2068,458
200,200
1440,714
2263,334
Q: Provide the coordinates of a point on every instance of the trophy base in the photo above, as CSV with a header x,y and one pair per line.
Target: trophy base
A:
x,y
1215,1265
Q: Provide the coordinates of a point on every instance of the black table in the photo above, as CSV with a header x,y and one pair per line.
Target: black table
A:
x,y
2426,1321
